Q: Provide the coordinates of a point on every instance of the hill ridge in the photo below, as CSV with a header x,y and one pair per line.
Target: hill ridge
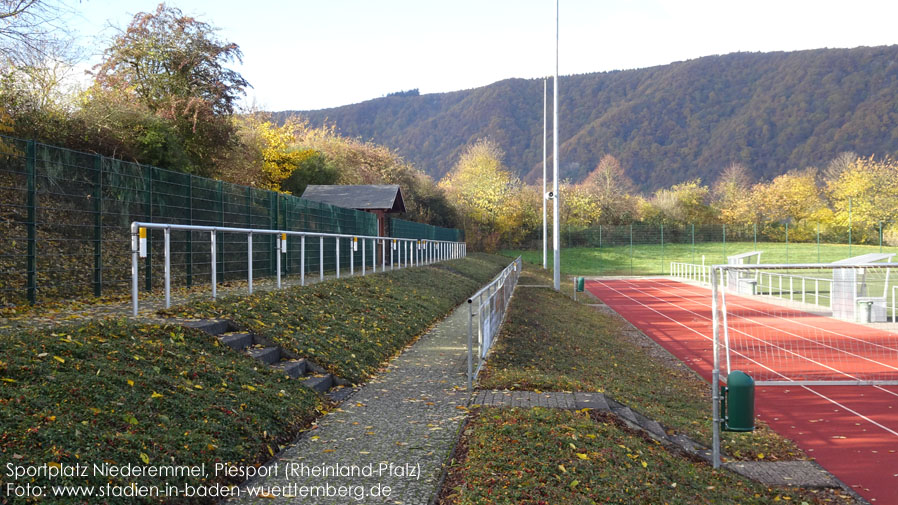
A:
x,y
773,112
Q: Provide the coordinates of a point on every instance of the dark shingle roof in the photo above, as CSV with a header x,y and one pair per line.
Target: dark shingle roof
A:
x,y
366,197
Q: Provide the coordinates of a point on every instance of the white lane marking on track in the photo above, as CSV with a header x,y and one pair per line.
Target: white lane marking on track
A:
x,y
821,395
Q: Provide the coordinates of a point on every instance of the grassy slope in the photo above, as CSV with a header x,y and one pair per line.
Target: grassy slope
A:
x,y
542,456
549,342
352,325
125,393
652,259
131,394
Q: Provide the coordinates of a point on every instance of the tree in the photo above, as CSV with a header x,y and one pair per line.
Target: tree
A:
x,y
311,168
681,204
732,196
609,189
175,67
867,189
29,28
484,192
793,198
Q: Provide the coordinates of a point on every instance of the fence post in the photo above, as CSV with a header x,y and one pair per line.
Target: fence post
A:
x,y
849,227
273,212
148,265
693,243
818,243
662,248
219,255
724,242
631,248
31,203
880,236
189,244
98,226
755,234
787,242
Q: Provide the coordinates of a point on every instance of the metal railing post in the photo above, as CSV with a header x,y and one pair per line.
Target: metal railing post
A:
x,y
470,345
302,261
363,255
337,248
383,255
134,261
249,262
321,258
715,376
214,264
167,249
280,244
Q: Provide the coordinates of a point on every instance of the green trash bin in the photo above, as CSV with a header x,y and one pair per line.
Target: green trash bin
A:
x,y
738,402
580,284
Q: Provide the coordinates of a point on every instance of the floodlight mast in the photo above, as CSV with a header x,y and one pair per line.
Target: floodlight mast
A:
x,y
545,134
556,274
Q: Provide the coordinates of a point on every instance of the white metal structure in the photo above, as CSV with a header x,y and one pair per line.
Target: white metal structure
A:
x,y
545,134
556,232
417,252
488,306
780,341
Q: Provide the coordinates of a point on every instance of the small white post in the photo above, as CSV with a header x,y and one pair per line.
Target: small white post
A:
x,y
383,255
363,256
214,267
167,268
352,256
281,245
302,261
134,261
249,261
373,256
321,258
337,241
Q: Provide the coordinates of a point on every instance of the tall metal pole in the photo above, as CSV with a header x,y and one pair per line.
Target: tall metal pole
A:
x,y
556,249
545,134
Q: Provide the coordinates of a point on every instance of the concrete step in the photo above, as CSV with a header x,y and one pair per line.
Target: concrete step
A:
x,y
320,383
236,340
210,326
292,368
267,355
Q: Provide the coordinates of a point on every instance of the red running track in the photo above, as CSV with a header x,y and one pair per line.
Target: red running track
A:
x,y
852,431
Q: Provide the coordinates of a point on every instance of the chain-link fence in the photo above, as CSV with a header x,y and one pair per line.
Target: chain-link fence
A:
x,y
640,249
65,217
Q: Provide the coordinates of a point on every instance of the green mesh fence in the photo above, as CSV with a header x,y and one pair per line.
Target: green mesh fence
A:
x,y
641,249
400,228
65,217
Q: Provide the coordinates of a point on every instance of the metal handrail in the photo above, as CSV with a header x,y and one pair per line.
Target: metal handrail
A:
x,y
492,290
417,252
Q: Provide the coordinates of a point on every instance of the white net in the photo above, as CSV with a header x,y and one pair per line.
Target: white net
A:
x,y
812,324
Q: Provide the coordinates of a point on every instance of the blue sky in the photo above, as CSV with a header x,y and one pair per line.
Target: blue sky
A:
x,y
313,54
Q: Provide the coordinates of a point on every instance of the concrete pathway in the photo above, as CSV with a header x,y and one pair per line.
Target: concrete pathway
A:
x,y
397,431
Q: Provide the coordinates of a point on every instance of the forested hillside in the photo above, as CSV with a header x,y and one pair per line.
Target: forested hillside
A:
x,y
771,112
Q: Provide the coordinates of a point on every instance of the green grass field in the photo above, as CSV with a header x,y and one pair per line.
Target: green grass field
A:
x,y
647,259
